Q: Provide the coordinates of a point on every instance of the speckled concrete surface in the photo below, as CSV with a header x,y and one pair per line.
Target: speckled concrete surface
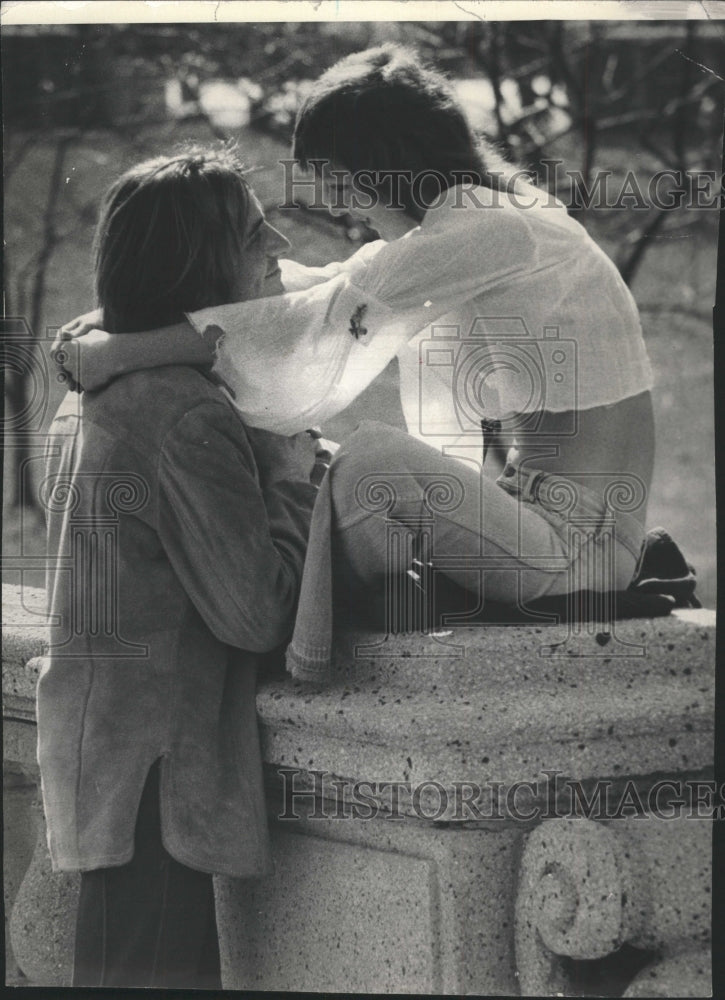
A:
x,y
586,889
398,905
24,634
501,710
42,921
378,906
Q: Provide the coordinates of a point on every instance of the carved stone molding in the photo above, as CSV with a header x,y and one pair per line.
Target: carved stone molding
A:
x,y
386,906
591,890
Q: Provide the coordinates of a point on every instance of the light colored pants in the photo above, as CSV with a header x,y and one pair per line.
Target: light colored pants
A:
x,y
526,535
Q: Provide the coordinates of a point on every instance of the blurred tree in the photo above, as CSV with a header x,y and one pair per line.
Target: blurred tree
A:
x,y
570,89
652,88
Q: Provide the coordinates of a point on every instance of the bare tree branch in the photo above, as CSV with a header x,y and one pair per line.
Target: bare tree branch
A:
x,y
16,383
631,261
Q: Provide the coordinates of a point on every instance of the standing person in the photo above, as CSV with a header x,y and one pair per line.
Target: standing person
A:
x,y
176,539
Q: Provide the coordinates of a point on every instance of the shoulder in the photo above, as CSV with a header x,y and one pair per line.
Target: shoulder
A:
x,y
148,405
467,212
482,225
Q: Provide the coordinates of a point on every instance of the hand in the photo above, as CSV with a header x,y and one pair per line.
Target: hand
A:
x,y
67,357
324,453
67,354
95,358
281,458
92,320
325,449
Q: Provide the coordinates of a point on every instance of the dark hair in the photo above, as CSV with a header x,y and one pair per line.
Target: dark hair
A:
x,y
382,110
170,237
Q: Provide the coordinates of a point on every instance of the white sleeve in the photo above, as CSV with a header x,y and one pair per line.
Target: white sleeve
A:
x,y
451,258
297,359
294,361
296,277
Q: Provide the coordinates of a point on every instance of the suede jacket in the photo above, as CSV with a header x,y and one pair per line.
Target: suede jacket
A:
x,y
175,561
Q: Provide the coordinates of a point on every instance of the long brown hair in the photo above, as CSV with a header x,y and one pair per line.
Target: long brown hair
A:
x,y
170,238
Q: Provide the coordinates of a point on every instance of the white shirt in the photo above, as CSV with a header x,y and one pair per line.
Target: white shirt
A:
x,y
496,304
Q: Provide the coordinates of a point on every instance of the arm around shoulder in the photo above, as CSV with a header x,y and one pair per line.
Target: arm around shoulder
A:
x,y
95,358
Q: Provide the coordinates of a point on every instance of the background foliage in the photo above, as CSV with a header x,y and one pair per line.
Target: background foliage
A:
x,y
81,103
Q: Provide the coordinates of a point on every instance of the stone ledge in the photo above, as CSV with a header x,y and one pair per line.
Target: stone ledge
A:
x,y
502,710
436,900
24,636
499,708
374,907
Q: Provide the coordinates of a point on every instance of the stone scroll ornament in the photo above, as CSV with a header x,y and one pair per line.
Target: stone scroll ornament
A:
x,y
586,889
